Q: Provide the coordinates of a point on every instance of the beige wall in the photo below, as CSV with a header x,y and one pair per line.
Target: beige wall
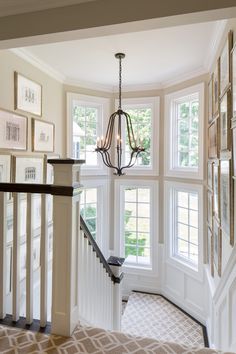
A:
x,y
52,96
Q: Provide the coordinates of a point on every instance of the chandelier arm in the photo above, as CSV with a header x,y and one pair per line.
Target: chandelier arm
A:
x,y
109,132
130,131
131,164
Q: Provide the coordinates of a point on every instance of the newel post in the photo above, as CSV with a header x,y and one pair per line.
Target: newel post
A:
x,y
66,223
116,264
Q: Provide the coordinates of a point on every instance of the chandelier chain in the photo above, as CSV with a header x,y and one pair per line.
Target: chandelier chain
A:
x,y
120,81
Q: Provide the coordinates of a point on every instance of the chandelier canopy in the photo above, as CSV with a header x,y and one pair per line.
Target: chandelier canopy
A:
x,y
114,128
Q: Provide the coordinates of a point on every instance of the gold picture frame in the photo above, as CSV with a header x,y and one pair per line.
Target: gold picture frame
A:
x,y
210,248
210,100
213,140
216,190
217,244
216,89
225,65
225,116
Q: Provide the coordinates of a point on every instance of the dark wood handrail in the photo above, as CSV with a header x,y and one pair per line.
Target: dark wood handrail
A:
x,y
98,252
41,188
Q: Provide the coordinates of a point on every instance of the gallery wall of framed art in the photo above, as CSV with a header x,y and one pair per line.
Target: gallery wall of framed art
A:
x,y
221,155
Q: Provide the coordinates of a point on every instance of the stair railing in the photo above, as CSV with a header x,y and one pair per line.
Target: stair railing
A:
x,y
83,284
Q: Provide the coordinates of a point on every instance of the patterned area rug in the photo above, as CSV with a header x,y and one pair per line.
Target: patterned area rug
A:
x,y
154,317
86,340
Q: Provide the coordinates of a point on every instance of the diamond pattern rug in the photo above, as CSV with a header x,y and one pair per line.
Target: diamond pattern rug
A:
x,y
87,340
154,317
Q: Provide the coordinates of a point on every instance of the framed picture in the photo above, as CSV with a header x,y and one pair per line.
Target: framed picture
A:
x,y
225,64
43,136
210,250
216,189
210,100
216,90
5,168
212,140
28,169
234,145
233,69
210,175
209,209
225,199
28,95
217,237
13,131
225,122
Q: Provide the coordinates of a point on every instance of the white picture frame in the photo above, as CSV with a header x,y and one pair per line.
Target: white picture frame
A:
x,y
28,169
13,131
28,95
43,136
5,168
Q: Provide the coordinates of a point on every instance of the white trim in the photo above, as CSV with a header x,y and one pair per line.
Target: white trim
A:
x,y
214,45
154,103
103,104
38,63
184,266
170,171
154,222
55,74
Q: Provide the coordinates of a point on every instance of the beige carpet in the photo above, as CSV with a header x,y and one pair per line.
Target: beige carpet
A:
x,y
86,340
154,317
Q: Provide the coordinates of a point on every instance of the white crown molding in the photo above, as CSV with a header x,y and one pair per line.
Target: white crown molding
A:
x,y
214,45
33,60
88,85
38,63
135,88
184,77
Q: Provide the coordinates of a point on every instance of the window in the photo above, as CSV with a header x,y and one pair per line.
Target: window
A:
x,y
135,205
184,223
184,132
86,116
144,113
95,211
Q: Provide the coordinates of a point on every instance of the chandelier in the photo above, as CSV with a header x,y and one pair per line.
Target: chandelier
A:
x,y
114,128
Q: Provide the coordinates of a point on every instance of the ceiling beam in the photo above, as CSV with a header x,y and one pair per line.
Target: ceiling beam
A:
x,y
95,17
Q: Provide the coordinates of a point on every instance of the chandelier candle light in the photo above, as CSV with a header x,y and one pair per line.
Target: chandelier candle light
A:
x,y
104,145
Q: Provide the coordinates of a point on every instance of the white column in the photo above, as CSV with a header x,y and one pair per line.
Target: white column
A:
x,y
65,247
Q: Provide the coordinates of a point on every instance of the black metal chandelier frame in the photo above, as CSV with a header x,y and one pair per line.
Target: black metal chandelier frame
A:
x,y
104,145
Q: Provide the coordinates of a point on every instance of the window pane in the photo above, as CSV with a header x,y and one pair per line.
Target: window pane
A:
x,y
130,195
141,119
85,132
183,215
130,209
186,233
187,126
183,231
88,209
137,225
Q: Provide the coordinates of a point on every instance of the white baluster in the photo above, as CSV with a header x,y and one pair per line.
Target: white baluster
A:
x,y
16,258
3,216
44,260
29,261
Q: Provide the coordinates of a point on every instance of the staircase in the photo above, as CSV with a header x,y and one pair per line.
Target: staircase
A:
x,y
85,288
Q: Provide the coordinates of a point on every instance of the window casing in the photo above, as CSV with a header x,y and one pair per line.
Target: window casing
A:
x,y
136,230
86,119
183,225
183,133
144,113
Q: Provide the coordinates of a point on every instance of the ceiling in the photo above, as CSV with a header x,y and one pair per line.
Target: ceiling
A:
x,y
14,7
152,57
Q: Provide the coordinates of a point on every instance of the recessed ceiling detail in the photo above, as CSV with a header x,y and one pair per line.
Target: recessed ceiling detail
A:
x,y
153,58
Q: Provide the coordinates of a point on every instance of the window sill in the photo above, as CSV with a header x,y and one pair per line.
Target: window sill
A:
x,y
184,173
139,270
